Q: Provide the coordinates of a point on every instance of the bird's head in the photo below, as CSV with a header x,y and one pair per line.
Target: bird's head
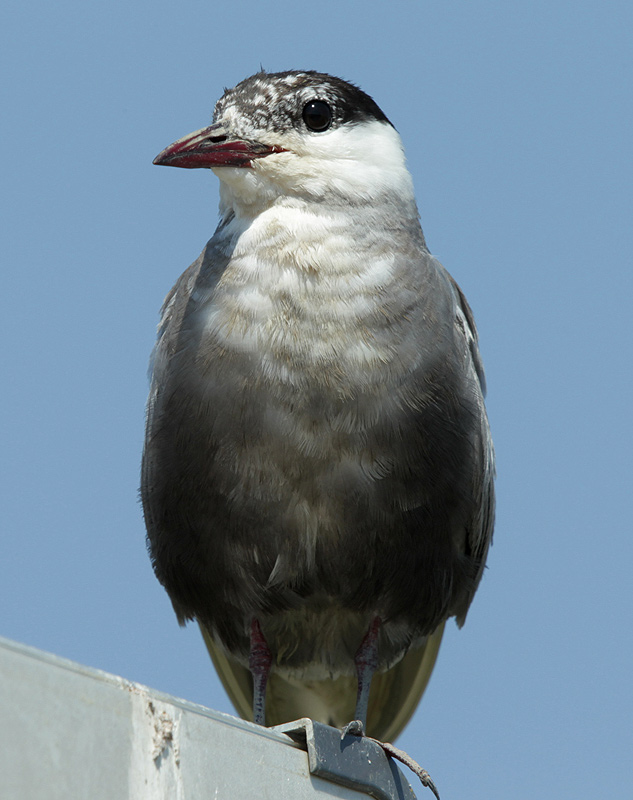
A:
x,y
304,135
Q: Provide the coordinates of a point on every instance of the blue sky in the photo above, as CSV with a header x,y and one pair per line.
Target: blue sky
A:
x,y
516,119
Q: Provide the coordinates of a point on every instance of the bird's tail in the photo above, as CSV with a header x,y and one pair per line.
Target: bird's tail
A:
x,y
394,694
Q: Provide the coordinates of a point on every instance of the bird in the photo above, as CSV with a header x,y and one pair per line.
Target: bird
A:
x,y
318,470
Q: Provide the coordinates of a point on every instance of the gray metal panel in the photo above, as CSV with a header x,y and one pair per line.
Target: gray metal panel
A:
x,y
351,760
73,733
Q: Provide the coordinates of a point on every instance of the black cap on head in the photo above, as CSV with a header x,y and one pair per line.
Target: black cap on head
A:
x,y
277,99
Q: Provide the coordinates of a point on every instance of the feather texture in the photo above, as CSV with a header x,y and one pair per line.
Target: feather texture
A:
x,y
317,450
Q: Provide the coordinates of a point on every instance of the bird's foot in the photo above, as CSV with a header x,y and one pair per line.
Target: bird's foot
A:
x,y
353,728
405,758
356,728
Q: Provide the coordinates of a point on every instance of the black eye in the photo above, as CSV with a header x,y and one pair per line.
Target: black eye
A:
x,y
317,115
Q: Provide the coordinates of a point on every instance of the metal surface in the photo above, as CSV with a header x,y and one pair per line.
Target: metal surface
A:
x,y
71,733
352,761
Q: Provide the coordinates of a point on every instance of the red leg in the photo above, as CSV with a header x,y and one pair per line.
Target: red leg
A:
x,y
259,662
366,660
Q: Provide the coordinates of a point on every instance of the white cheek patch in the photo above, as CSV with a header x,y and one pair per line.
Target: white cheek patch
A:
x,y
367,158
358,162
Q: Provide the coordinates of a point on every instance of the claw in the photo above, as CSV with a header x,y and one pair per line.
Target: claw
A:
x,y
353,728
405,758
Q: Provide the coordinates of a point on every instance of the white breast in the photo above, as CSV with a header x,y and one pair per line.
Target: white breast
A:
x,y
298,291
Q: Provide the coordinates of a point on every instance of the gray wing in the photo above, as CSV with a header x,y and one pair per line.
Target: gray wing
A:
x,y
171,316
171,358
482,523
